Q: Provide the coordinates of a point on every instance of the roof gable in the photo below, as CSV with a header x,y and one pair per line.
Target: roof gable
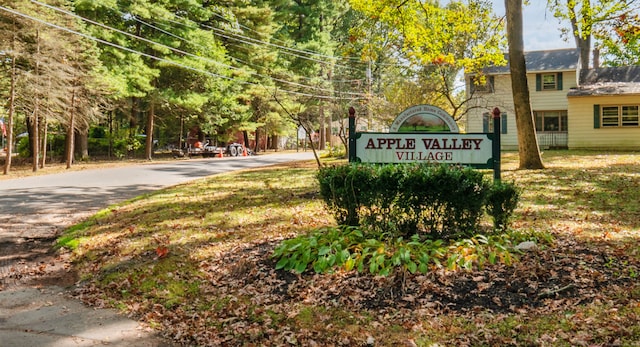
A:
x,y
538,61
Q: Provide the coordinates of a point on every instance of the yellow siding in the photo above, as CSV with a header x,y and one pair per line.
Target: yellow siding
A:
x,y
503,99
582,134
551,100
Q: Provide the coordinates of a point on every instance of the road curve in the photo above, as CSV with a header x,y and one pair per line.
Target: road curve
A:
x,y
46,201
34,209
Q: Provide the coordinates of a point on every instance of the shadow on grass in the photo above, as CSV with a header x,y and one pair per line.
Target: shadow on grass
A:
x,y
218,277
578,189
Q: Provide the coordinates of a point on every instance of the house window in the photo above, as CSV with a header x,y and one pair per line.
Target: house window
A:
x,y
487,123
630,116
624,115
547,121
549,82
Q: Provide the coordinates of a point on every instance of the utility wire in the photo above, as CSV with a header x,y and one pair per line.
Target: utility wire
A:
x,y
184,52
283,42
255,42
233,57
158,58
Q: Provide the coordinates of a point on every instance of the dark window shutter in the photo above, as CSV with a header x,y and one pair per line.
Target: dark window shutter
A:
x,y
559,80
485,122
538,82
492,84
596,116
503,126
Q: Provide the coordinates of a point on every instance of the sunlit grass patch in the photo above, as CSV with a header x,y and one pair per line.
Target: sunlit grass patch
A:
x,y
194,261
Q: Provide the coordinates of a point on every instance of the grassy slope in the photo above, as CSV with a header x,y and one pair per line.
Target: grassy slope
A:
x,y
193,261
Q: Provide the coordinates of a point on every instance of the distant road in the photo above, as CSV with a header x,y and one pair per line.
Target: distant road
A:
x,y
47,201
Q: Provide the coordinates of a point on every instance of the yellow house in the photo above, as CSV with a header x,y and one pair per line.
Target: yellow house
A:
x,y
598,110
604,109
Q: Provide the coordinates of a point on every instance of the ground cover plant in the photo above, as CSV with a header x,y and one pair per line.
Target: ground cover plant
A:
x,y
196,262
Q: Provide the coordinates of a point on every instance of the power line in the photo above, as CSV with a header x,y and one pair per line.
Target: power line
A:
x,y
358,60
289,48
233,57
183,52
255,42
157,58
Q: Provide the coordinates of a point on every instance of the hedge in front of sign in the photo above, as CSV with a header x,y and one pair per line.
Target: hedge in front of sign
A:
x,y
435,201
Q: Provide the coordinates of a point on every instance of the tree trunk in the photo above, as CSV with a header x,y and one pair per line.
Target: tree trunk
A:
x,y
313,148
82,143
257,146
181,139
9,125
35,153
149,142
70,145
35,140
43,143
527,140
110,121
245,136
322,138
582,38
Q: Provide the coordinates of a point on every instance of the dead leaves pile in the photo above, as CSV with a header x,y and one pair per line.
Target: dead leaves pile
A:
x,y
574,293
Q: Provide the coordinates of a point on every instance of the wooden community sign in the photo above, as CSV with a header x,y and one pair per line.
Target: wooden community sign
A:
x,y
426,133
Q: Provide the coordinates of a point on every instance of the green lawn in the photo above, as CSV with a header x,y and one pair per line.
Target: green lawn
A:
x,y
194,262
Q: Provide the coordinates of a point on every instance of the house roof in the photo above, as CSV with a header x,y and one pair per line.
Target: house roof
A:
x,y
551,60
623,80
610,74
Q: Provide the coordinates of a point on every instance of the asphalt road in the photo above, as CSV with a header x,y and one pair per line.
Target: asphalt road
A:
x,y
34,209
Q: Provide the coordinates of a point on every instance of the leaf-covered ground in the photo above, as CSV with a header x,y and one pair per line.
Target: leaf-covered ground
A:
x,y
194,262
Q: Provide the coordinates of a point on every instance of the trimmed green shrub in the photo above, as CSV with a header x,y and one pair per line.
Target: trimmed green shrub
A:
x,y
436,201
501,201
341,190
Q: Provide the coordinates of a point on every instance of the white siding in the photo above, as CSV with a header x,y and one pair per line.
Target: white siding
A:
x,y
582,133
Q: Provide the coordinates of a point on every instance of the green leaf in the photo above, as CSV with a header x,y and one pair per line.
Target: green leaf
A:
x,y
324,250
492,257
282,263
344,255
348,265
320,265
452,262
300,267
373,267
331,260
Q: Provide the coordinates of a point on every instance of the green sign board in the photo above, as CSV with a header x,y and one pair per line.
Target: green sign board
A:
x,y
465,149
426,133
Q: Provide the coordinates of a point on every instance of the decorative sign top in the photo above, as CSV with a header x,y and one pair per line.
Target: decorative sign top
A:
x,y
424,118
